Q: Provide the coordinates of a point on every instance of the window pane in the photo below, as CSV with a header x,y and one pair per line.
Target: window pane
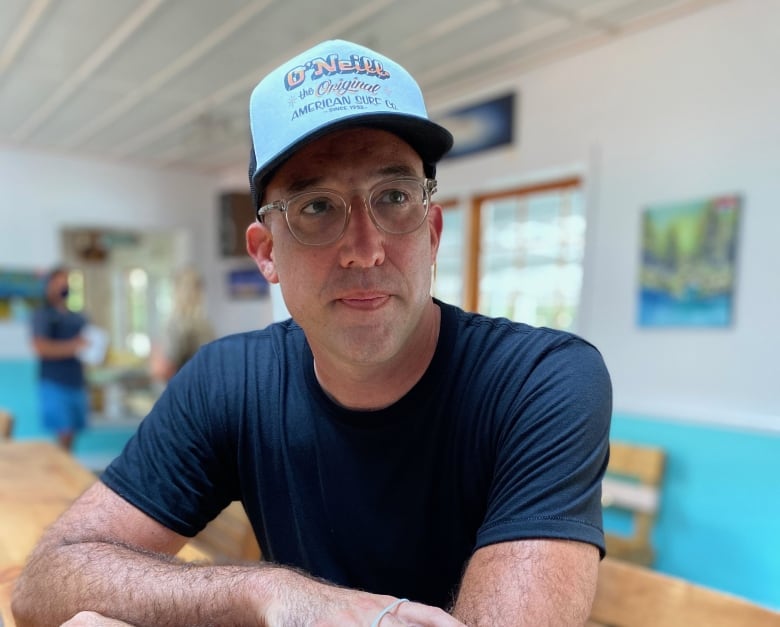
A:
x,y
451,259
532,247
137,338
75,300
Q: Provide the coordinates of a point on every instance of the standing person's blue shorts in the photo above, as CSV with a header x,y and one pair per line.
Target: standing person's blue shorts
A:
x,y
63,407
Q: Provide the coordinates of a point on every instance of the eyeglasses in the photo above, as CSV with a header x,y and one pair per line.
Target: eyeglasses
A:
x,y
318,217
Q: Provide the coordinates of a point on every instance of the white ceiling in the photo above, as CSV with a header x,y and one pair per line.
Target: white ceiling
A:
x,y
166,82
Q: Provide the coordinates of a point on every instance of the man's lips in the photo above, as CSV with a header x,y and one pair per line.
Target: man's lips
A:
x,y
365,301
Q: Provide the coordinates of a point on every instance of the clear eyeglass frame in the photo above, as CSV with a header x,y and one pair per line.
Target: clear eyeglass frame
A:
x,y
336,224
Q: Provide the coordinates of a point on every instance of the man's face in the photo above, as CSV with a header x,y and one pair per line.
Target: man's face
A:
x,y
56,287
361,299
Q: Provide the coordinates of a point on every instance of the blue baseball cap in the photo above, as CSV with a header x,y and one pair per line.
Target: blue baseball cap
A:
x,y
336,84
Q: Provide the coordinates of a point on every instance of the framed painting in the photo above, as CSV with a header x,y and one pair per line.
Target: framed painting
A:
x,y
20,293
481,126
688,263
246,283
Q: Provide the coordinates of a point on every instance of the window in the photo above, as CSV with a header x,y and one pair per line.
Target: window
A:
x,y
523,257
136,284
450,260
532,245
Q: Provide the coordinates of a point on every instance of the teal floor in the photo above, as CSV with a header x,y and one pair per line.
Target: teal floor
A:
x,y
101,442
97,445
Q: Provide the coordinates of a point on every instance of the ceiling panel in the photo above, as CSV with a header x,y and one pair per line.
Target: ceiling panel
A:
x,y
516,23
238,59
408,25
68,34
167,81
179,28
626,12
148,113
19,95
84,105
558,39
11,14
204,138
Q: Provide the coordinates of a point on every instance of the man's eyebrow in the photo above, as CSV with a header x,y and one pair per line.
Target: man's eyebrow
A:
x,y
397,170
301,185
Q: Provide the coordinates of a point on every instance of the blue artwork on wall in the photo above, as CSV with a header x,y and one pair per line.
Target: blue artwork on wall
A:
x,y
247,283
20,293
688,263
482,126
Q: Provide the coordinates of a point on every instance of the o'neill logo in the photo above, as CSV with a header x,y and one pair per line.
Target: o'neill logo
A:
x,y
331,65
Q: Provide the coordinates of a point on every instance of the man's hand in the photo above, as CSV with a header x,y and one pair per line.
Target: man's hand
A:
x,y
331,607
301,600
93,554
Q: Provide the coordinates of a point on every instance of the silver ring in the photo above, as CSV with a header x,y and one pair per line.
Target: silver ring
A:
x,y
386,611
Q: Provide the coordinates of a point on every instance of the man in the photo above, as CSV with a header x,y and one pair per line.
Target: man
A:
x,y
386,446
57,341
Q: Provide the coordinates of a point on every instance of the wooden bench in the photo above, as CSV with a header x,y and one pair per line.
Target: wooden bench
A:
x,y
629,595
632,486
6,425
229,537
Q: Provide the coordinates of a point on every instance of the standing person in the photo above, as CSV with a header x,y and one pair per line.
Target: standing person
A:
x,y
57,340
403,462
187,328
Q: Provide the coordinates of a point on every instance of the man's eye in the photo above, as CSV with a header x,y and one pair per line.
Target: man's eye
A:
x,y
316,207
394,197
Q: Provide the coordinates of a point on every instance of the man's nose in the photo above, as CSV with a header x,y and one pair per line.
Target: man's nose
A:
x,y
362,244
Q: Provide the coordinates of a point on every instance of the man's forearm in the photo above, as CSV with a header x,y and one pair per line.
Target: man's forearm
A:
x,y
152,590
525,583
137,587
58,349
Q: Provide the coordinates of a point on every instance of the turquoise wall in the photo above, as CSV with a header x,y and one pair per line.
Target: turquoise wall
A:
x,y
95,447
17,394
719,520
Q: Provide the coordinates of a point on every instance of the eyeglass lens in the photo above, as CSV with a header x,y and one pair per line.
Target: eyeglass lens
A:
x,y
320,216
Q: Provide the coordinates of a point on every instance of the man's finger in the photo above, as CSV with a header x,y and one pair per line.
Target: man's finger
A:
x,y
93,619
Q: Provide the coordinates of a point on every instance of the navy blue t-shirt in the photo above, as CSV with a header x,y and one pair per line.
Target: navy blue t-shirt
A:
x,y
505,437
54,324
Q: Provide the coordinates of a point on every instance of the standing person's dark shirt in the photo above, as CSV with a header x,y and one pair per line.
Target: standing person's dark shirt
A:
x,y
55,324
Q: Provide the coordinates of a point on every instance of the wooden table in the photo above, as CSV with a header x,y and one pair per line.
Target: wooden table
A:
x,y
38,481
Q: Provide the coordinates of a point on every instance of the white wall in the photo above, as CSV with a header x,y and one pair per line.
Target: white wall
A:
x,y
42,193
678,112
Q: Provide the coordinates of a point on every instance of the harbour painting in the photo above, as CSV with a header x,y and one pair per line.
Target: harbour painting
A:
x,y
688,263
20,292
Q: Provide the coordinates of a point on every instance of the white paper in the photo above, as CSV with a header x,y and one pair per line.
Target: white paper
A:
x,y
94,353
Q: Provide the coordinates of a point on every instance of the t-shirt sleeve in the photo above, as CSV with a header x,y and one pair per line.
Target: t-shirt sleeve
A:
x,y
179,467
552,451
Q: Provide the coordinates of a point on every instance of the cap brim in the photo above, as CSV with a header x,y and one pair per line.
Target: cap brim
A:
x,y
430,140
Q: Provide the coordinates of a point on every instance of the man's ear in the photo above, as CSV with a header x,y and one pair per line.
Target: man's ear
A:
x,y
259,245
436,222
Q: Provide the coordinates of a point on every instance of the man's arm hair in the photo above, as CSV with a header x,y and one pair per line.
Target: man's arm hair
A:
x,y
104,555
529,583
